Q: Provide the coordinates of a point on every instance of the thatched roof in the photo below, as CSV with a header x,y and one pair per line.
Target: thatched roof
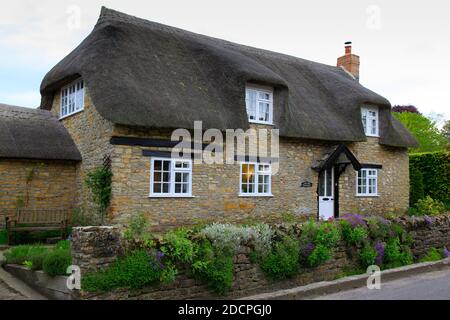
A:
x,y
34,134
142,73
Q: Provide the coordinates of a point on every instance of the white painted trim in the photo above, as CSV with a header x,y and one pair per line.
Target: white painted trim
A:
x,y
259,89
365,110
172,171
61,117
367,195
257,173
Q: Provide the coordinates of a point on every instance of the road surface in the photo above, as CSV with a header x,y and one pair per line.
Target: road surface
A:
x,y
425,286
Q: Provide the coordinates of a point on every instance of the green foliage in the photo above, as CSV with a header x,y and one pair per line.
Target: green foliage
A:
x,y
432,255
378,228
417,190
367,256
28,264
178,246
430,207
137,228
168,274
99,183
56,262
33,253
435,171
80,218
63,244
354,236
214,266
3,237
327,235
283,261
319,255
424,130
133,271
396,255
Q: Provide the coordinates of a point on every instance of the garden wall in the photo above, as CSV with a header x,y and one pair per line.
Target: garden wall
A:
x,y
96,247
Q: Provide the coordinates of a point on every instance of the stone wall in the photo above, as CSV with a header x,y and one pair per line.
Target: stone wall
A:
x,y
34,184
427,233
91,134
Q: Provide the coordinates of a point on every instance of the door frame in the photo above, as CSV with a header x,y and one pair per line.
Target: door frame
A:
x,y
334,188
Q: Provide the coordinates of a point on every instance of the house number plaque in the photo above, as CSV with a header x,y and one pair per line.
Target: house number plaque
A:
x,y
306,184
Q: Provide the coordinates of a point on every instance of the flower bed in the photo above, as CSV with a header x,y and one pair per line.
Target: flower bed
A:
x,y
212,255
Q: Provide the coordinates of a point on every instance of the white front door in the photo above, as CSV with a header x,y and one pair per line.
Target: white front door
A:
x,y
326,197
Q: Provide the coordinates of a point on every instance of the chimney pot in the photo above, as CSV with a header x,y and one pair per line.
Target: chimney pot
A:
x,y
350,61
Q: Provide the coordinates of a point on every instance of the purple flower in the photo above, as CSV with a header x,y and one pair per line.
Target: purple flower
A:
x,y
429,221
446,253
307,249
355,220
379,248
155,259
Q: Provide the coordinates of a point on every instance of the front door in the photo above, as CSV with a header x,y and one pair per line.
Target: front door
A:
x,y
326,197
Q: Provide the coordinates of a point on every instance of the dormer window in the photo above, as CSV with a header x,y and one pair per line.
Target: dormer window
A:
x,y
259,105
72,98
370,121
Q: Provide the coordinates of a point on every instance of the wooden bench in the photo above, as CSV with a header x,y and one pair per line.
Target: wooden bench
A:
x,y
38,220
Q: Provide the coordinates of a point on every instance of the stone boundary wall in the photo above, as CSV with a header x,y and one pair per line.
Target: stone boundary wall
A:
x,y
96,247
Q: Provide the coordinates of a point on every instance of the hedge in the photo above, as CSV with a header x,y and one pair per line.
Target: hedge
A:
x,y
430,176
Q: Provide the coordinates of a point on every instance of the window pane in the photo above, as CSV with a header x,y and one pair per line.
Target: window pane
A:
x,y
166,177
157,188
251,104
322,185
329,191
166,187
157,177
166,165
158,165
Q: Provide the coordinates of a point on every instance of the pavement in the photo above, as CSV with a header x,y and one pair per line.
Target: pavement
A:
x,y
12,288
426,286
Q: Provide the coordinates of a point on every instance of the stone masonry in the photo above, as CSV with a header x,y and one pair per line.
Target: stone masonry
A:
x,y
216,187
34,184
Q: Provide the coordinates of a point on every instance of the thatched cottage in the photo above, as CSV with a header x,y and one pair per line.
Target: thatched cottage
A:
x,y
131,82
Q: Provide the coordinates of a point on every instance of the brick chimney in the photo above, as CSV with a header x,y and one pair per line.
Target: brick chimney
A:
x,y
349,61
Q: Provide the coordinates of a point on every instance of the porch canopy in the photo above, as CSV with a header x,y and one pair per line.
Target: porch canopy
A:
x,y
340,156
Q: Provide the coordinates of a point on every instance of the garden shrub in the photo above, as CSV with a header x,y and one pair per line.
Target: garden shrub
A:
x,y
354,235
56,262
63,244
319,255
137,228
416,191
435,168
378,228
22,253
432,255
283,261
178,246
367,256
134,271
429,206
36,256
214,266
327,235
396,255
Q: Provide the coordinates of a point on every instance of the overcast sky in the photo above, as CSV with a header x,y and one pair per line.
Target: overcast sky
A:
x,y
404,45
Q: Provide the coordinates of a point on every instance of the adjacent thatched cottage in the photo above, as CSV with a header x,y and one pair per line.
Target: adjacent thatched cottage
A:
x,y
38,161
124,89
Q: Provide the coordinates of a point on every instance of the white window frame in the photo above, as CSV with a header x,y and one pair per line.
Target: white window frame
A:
x,y
365,112
257,91
370,174
173,171
257,174
78,100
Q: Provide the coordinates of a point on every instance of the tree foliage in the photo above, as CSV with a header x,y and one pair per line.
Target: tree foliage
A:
x,y
401,109
424,130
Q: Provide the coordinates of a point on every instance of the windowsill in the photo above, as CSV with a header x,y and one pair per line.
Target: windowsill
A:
x,y
367,195
243,195
171,196
372,136
261,123
70,115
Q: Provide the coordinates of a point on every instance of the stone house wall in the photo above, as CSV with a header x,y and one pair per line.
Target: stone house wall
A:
x,y
33,184
94,249
91,134
216,187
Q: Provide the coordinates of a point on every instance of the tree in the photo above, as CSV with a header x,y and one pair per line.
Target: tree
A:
x,y
424,130
401,109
